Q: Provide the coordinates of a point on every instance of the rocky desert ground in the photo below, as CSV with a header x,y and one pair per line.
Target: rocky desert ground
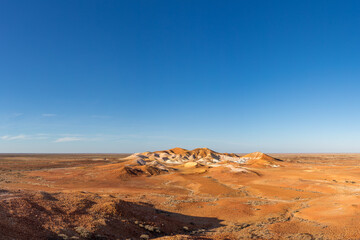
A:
x,y
180,194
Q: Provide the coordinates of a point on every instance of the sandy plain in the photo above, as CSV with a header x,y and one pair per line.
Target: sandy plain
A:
x,y
86,196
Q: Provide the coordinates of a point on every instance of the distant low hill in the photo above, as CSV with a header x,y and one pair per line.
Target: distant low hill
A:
x,y
158,162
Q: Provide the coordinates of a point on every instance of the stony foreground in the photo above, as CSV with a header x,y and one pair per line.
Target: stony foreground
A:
x,y
310,196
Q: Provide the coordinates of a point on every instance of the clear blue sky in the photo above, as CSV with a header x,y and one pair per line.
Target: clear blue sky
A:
x,y
130,76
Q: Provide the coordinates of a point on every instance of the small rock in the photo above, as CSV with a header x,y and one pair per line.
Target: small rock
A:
x,y
83,232
150,228
243,225
144,236
63,236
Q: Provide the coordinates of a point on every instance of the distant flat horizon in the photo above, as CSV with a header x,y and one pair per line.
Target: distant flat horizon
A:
x,y
117,153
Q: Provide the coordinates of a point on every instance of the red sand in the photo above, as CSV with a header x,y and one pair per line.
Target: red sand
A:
x,y
86,197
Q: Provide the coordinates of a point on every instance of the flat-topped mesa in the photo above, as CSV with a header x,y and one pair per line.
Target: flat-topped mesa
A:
x,y
258,155
259,159
184,153
204,156
177,151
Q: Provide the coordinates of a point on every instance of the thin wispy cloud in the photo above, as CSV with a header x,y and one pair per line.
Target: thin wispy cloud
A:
x,y
17,114
10,138
68,139
13,115
48,115
69,135
42,134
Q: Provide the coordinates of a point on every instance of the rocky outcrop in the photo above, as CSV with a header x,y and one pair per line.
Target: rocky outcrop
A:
x,y
202,156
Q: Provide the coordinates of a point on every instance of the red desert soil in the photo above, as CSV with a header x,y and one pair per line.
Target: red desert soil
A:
x,y
159,195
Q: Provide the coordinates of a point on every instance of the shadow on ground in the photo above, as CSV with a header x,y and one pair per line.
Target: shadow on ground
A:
x,y
60,216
